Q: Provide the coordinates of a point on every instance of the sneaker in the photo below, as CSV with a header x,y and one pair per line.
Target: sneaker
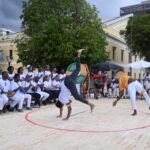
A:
x,y
134,113
80,50
11,109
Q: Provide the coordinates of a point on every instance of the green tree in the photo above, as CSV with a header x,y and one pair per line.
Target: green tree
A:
x,y
137,35
55,29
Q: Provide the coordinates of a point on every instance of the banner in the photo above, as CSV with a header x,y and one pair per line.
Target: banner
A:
x,y
83,72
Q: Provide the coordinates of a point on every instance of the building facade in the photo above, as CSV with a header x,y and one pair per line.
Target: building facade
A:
x,y
142,8
119,53
8,51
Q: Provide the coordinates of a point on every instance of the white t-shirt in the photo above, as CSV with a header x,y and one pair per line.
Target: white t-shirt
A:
x,y
64,94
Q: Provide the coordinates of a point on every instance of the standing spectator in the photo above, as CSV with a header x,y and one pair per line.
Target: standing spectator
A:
x,y
11,74
47,71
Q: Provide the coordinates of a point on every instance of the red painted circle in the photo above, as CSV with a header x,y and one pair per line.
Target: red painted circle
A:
x,y
27,117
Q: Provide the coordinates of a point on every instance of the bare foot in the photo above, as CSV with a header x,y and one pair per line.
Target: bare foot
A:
x,y
59,116
114,103
65,118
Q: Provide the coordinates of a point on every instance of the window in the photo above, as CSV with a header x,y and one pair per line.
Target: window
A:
x,y
11,54
113,53
130,57
134,75
122,55
1,54
135,57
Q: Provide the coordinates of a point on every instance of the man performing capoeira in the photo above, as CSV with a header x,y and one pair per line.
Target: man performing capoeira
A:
x,y
69,86
133,87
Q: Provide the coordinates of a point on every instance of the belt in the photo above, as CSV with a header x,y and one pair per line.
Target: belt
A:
x,y
130,80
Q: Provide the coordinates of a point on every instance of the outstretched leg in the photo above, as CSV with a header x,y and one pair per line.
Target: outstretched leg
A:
x,y
70,83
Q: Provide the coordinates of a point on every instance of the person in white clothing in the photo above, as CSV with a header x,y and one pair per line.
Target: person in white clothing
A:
x,y
133,86
62,75
30,71
21,91
8,93
15,87
10,70
47,71
63,99
22,75
39,85
2,104
31,90
4,88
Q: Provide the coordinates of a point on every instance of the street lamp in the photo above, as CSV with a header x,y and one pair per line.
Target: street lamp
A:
x,y
9,60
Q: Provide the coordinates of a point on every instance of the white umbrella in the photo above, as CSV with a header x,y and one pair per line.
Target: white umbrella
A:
x,y
139,64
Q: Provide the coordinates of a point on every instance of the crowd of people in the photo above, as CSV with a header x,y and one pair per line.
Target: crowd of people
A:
x,y
103,86
29,89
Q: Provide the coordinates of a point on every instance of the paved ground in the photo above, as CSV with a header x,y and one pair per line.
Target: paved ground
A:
x,y
107,128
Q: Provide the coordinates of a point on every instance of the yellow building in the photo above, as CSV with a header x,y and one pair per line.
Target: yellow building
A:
x,y
8,51
117,47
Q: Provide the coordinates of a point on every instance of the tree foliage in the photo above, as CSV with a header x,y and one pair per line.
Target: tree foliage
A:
x,y
137,35
55,29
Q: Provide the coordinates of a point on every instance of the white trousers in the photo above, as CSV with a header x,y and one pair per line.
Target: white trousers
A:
x,y
116,92
17,99
44,95
137,87
28,97
3,101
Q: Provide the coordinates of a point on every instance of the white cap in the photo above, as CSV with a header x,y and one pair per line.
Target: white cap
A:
x,y
28,66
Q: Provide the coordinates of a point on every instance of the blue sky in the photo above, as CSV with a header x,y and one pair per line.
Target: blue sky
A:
x,y
10,10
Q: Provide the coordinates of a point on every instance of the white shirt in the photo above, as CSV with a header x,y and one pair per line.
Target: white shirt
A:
x,y
56,84
5,85
26,84
22,76
64,94
147,85
47,84
39,74
30,74
47,73
61,76
14,85
11,76
34,84
53,75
